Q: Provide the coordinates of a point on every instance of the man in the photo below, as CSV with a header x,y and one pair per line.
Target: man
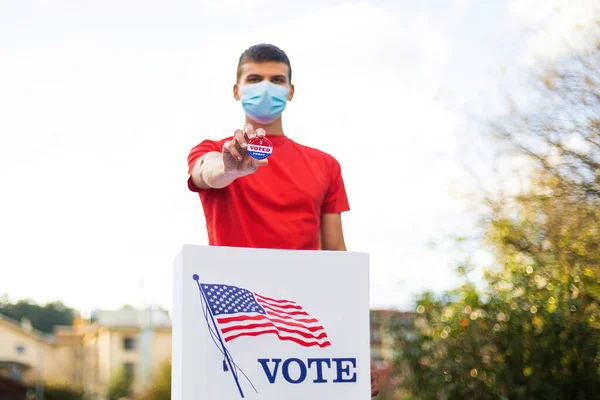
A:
x,y
291,200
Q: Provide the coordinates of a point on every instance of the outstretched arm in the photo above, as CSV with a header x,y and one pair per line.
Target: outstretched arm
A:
x,y
209,172
216,170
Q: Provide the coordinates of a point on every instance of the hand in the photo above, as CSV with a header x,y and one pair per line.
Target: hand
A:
x,y
236,159
374,380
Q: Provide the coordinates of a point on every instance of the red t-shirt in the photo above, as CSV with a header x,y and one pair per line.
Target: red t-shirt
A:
x,y
277,207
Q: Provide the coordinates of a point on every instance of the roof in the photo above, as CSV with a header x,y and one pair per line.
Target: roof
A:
x,y
27,329
130,317
11,363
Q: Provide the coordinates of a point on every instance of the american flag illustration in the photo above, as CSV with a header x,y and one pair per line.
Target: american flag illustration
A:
x,y
240,312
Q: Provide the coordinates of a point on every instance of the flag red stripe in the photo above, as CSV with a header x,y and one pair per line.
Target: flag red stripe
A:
x,y
260,296
305,320
293,339
266,307
288,323
269,323
322,335
262,317
226,320
283,318
281,307
292,311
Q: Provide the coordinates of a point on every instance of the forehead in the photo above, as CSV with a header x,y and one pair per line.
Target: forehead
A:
x,y
267,68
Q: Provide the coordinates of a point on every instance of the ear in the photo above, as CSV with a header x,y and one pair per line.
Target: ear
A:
x,y
291,93
236,92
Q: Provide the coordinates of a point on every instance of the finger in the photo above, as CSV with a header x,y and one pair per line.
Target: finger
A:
x,y
253,164
374,390
238,137
261,163
260,133
229,147
249,130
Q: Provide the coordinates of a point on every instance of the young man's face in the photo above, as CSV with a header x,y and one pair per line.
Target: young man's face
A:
x,y
273,71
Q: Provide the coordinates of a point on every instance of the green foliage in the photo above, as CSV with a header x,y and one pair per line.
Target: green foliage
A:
x,y
390,387
161,387
56,391
533,330
43,318
120,386
524,337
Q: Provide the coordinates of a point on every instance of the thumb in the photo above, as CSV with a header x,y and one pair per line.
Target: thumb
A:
x,y
260,163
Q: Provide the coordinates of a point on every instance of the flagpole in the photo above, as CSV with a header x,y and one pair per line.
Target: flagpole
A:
x,y
225,352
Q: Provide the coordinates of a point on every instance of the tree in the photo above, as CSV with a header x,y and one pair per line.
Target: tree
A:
x,y
525,336
43,318
533,331
161,386
390,386
555,223
121,385
61,391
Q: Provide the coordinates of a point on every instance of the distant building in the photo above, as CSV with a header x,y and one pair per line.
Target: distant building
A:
x,y
27,355
88,354
137,341
382,345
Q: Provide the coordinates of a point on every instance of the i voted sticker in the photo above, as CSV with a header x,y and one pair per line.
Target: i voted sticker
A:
x,y
260,149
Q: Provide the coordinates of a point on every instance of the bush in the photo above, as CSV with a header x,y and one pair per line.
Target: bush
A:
x,y
533,330
120,385
61,391
161,387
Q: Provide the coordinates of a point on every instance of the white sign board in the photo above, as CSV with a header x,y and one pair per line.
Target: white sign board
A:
x,y
270,324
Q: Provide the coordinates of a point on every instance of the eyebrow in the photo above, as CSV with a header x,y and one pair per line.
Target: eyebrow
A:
x,y
260,76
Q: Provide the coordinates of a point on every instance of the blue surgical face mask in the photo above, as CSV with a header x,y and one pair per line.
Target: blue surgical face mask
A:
x,y
264,101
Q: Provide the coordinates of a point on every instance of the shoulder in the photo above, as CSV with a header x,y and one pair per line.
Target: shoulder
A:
x,y
322,163
318,155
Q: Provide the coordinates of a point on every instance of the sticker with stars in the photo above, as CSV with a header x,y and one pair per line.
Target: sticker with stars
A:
x,y
224,299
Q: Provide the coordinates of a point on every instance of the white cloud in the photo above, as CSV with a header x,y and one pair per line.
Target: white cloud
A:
x,y
392,138
95,171
557,27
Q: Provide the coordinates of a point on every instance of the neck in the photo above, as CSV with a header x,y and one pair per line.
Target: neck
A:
x,y
275,128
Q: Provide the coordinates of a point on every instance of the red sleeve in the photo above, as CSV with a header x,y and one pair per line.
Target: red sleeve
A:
x,y
198,151
336,199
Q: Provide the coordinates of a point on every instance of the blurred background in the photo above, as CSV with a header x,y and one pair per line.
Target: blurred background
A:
x,y
469,138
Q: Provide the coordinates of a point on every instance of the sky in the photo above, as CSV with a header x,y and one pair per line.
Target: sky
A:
x,y
100,103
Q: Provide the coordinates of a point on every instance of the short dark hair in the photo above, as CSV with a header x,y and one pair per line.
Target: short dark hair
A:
x,y
263,53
